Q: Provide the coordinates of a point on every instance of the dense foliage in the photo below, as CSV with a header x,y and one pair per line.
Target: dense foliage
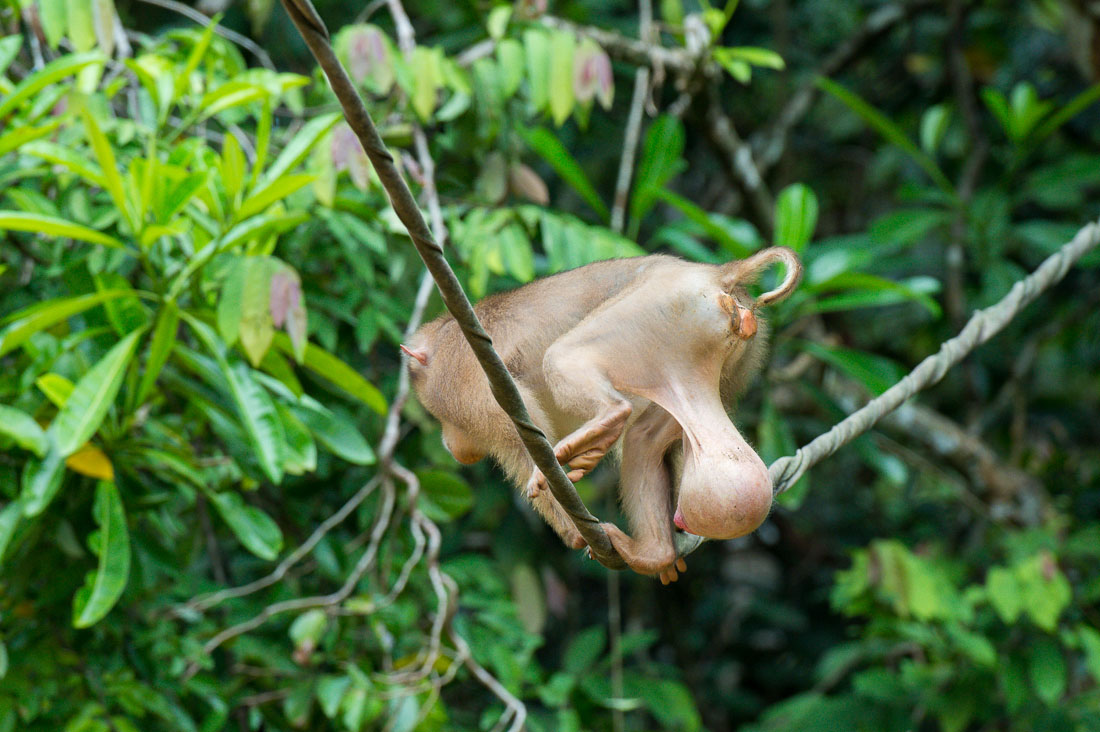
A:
x,y
218,510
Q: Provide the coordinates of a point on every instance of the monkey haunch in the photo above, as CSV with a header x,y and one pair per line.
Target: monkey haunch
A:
x,y
649,350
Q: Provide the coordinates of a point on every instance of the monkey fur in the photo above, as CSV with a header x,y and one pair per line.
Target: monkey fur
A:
x,y
648,351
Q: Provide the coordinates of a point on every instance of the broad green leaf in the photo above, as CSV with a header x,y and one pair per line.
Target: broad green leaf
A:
x,y
256,325
81,25
562,49
23,430
1090,637
860,290
92,396
298,148
233,166
21,138
335,371
253,405
536,46
444,496
330,693
427,74
230,302
1046,668
52,226
1004,594
877,373
551,149
795,216
111,542
888,129
510,63
180,194
334,432
112,179
498,21
160,348
52,72
257,531
584,649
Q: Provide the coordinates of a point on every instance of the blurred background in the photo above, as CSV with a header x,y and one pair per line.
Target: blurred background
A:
x,y
219,511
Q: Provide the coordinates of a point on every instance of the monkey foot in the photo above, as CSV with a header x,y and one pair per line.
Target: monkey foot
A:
x,y
643,559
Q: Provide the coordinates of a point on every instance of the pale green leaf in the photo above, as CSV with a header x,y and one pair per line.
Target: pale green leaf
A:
x,y
23,430
52,72
52,226
111,542
562,48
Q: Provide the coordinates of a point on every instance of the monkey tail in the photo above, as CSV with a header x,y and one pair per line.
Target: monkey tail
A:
x,y
744,271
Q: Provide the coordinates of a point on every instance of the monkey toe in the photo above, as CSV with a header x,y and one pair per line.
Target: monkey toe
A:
x,y
681,564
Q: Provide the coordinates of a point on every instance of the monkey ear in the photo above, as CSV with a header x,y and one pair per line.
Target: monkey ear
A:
x,y
747,270
420,355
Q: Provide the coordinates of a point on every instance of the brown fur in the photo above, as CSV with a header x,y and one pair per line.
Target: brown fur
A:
x,y
648,350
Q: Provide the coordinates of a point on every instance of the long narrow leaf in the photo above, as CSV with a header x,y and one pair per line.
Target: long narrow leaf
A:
x,y
23,430
25,323
19,137
52,72
335,371
888,129
298,148
550,149
52,226
92,396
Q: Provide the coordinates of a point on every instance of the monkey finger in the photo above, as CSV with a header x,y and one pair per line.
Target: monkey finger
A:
x,y
575,475
681,564
664,579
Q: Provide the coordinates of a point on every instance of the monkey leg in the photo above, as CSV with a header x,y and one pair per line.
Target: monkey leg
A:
x,y
646,489
579,386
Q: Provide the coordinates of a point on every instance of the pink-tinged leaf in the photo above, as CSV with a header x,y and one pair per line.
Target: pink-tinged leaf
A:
x,y
288,308
348,154
527,184
368,58
592,75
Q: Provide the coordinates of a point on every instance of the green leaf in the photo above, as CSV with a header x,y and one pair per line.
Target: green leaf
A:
x,y
795,216
276,190
23,430
298,148
1090,637
41,481
877,373
256,325
444,496
1074,107
730,234
584,650
54,71
111,542
660,161
10,517
53,226
861,290
229,95
551,149
1004,594
308,627
334,432
335,371
9,49
888,129
23,324
933,126
92,396
1046,668
562,48
56,388
160,348
112,179
907,226
752,55
498,21
21,138
301,451
536,46
330,693
257,531
253,405
69,158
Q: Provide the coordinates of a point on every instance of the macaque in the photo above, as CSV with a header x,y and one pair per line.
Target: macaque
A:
x,y
643,353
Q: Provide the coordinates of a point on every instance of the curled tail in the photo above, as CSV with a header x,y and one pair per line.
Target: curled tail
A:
x,y
744,271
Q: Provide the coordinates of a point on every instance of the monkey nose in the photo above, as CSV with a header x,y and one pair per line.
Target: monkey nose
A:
x,y
678,519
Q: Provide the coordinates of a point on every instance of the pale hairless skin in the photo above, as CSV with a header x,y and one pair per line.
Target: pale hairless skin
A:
x,y
647,350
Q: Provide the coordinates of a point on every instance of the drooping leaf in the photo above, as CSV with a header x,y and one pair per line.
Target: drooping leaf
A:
x,y
52,72
562,99
53,226
103,587
257,531
334,432
335,371
444,496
